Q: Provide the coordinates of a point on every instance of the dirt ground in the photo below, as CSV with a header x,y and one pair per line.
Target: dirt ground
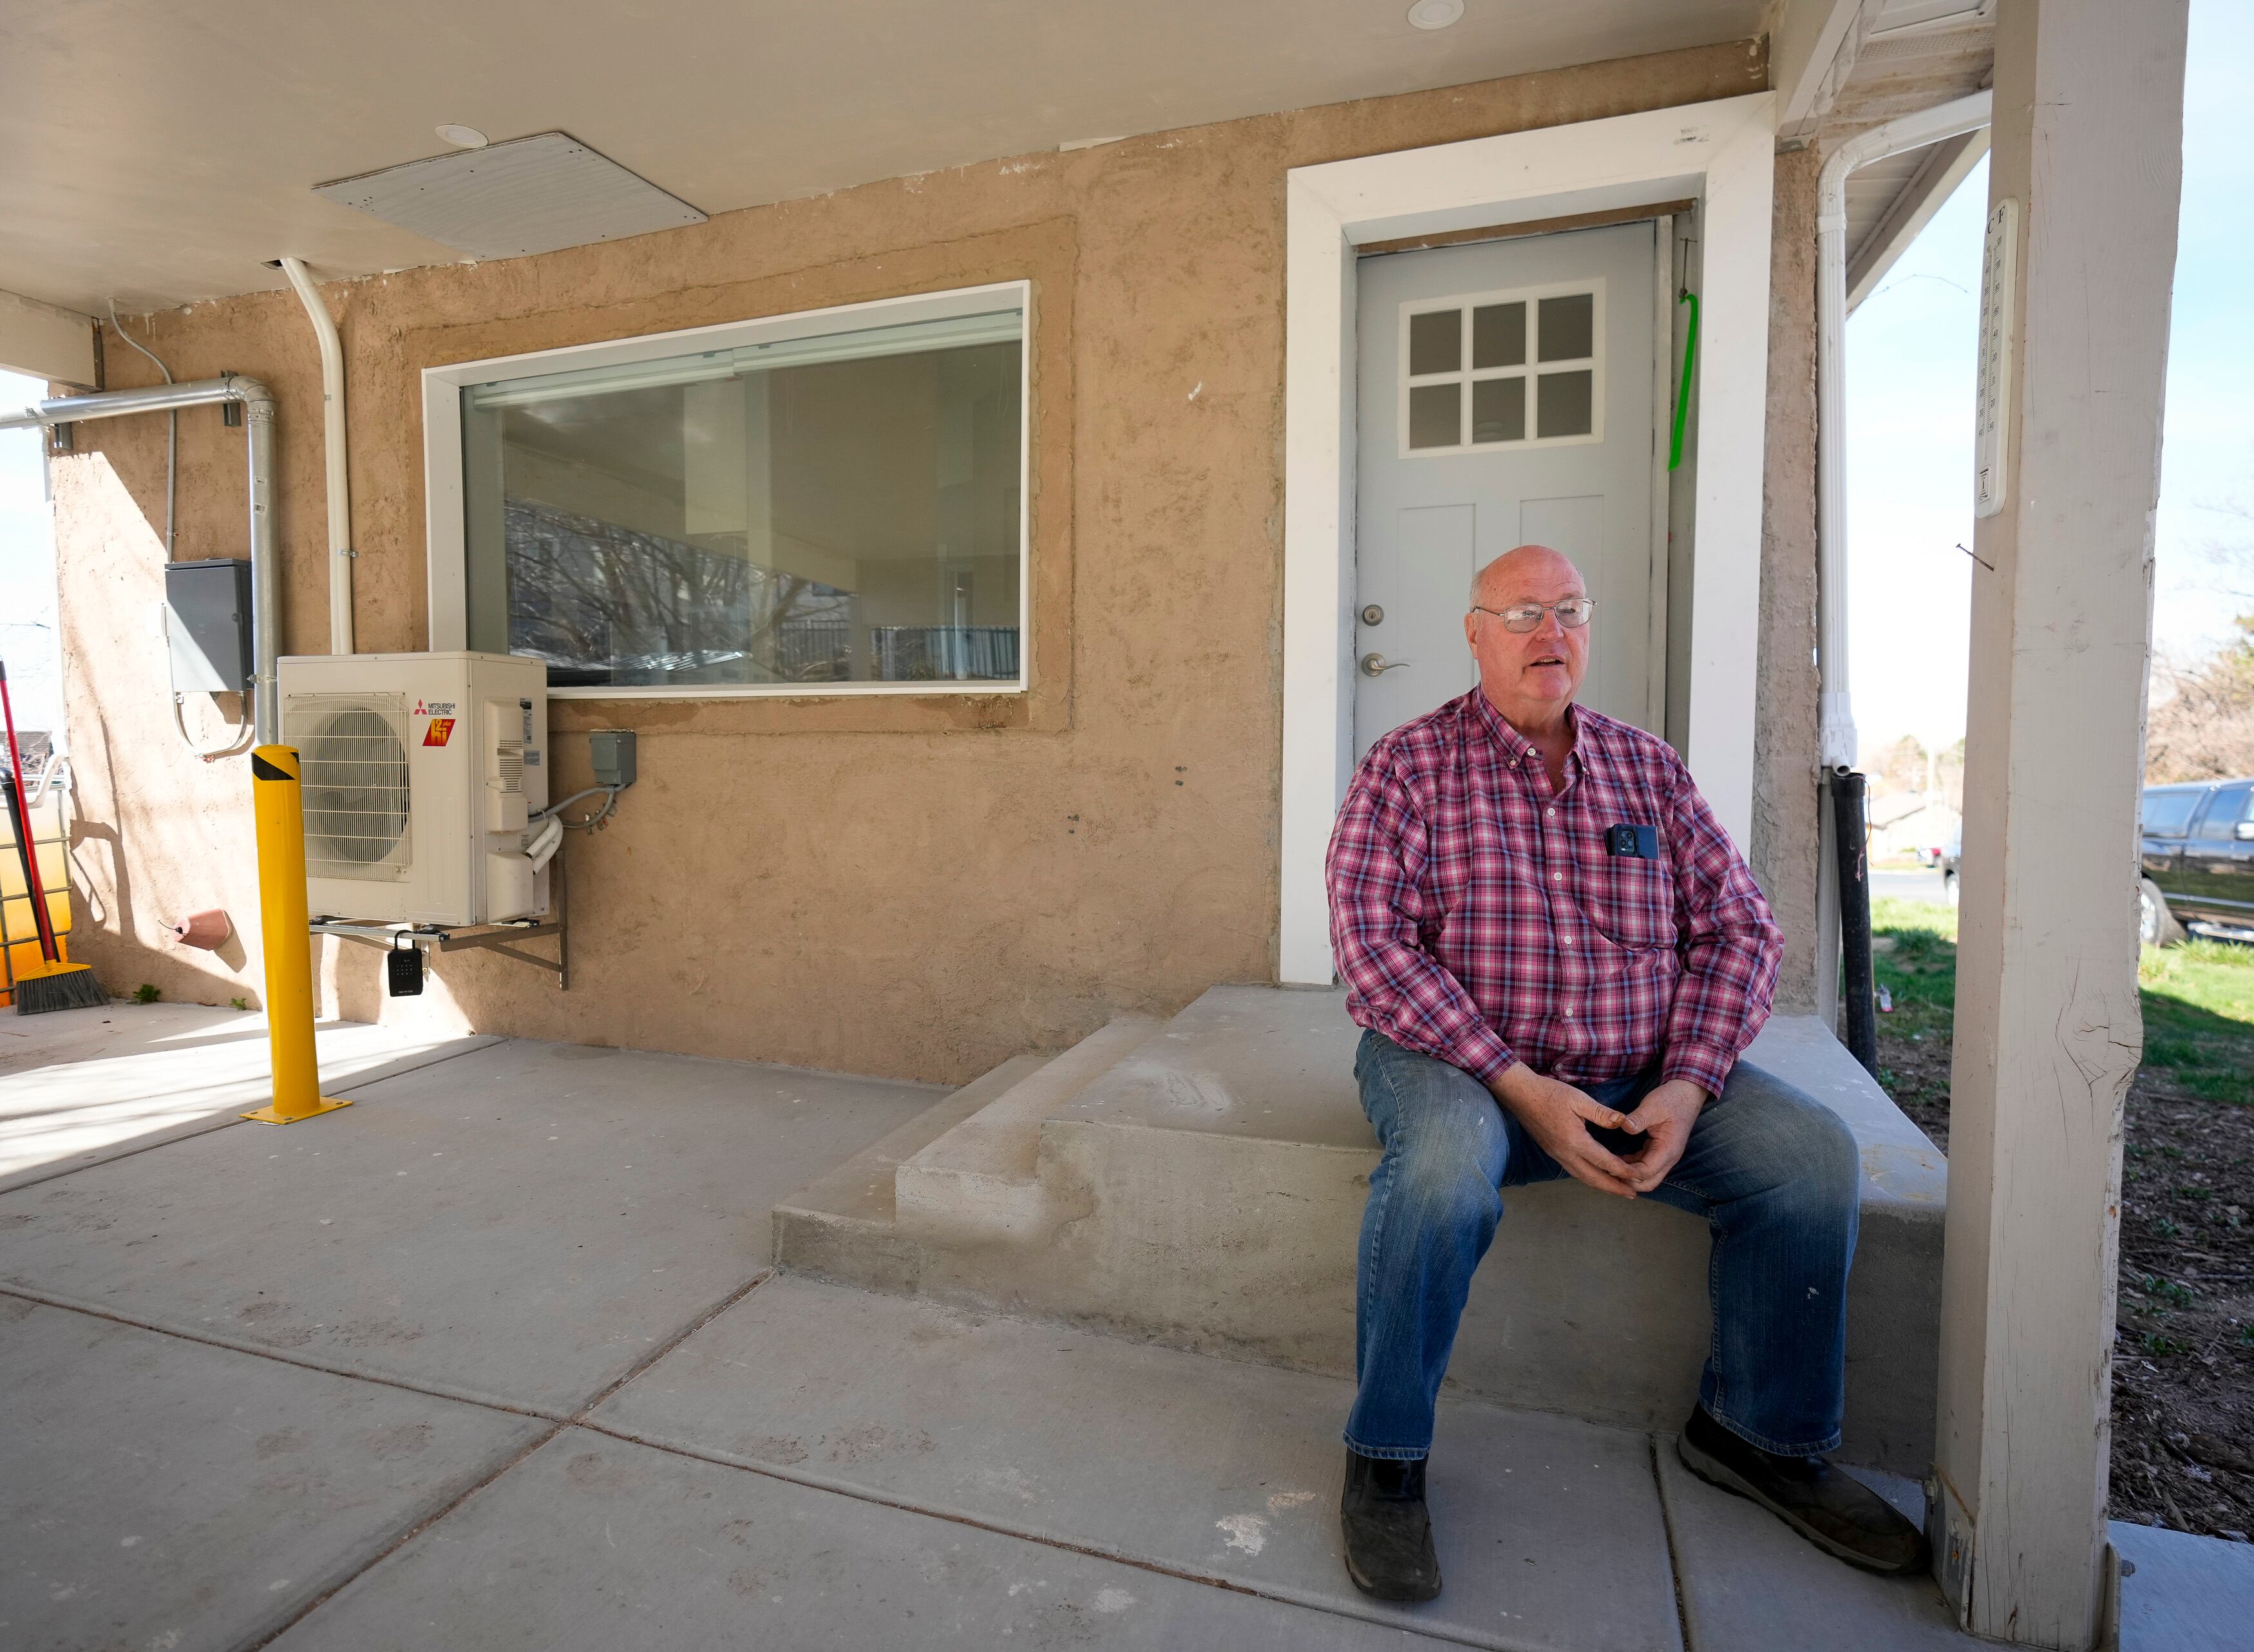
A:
x,y
2183,1350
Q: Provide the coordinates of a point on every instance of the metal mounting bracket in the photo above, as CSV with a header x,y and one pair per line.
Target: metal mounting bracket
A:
x,y
496,937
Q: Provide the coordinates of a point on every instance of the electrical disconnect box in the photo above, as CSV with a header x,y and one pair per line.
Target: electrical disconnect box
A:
x,y
613,753
207,623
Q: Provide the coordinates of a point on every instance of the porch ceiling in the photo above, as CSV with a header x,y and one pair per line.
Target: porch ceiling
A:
x,y
1895,74
159,154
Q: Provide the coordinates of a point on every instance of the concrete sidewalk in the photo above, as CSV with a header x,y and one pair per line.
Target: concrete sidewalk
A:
x,y
492,1360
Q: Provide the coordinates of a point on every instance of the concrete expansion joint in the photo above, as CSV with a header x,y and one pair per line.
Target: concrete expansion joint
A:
x,y
1330,1606
1674,1545
583,1417
237,1345
557,1426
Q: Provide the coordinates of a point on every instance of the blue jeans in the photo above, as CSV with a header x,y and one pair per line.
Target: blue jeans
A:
x,y
1774,1172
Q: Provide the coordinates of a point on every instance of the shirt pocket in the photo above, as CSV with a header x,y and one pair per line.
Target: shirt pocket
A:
x,y
1631,902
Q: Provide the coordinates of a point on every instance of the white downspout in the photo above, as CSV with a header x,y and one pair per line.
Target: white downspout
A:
x,y
1836,712
333,430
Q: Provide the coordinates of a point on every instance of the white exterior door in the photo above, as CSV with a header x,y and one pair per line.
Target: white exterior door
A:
x,y
1506,397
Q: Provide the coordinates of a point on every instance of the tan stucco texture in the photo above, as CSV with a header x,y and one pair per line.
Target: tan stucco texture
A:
x,y
900,887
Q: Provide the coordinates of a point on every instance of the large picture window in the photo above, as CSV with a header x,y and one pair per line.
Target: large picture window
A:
x,y
830,502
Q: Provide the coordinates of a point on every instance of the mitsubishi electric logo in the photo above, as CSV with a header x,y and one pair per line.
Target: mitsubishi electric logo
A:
x,y
442,718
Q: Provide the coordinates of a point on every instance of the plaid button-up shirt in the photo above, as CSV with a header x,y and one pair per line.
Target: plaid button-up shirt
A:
x,y
1477,916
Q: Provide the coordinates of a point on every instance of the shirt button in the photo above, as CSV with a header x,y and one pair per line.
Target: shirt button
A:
x,y
1558,876
1565,940
1569,1015
1553,814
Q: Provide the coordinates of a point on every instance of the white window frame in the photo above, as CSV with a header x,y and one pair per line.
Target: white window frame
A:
x,y
1722,154
447,535
1529,369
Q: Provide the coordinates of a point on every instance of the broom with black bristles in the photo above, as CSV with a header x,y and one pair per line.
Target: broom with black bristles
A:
x,y
51,985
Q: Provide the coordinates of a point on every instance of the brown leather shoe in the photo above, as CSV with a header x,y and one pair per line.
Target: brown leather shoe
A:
x,y
1830,1507
1389,1535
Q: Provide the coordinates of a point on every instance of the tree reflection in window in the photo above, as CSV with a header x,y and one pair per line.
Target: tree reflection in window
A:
x,y
608,605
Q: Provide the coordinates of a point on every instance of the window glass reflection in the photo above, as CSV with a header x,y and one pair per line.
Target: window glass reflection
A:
x,y
834,510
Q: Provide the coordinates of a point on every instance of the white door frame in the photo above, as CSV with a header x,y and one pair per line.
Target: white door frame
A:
x,y
1721,154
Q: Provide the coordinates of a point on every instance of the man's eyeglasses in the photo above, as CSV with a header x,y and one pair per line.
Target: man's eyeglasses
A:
x,y
1572,613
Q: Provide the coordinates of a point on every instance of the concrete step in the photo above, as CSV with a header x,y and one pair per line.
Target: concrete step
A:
x,y
841,1226
1206,1191
981,1179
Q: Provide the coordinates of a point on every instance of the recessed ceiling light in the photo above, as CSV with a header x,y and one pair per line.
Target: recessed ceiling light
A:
x,y
469,138
1435,14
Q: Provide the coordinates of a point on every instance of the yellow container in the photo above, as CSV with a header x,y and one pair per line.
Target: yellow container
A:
x,y
19,934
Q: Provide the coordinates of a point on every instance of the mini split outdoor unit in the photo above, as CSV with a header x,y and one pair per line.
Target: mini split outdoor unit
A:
x,y
419,774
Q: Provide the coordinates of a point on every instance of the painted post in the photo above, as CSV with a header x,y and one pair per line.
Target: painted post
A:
x,y
2087,135
280,814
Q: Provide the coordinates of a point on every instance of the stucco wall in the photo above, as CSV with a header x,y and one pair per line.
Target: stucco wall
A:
x,y
900,886
1784,852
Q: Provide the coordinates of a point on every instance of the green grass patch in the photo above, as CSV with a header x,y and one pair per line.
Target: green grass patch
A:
x,y
2198,997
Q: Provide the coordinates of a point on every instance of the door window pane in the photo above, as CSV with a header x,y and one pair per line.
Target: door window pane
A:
x,y
1564,404
1499,335
1436,341
835,509
1435,415
1569,327
1499,410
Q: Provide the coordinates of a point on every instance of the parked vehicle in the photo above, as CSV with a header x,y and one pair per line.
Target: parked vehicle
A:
x,y
1946,858
2197,852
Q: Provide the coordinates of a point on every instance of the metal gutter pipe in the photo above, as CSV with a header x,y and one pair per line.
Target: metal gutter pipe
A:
x,y
333,430
1836,711
258,426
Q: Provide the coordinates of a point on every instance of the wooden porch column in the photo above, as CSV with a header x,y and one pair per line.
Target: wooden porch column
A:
x,y
2088,141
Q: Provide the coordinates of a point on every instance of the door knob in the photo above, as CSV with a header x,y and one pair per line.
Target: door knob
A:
x,y
1377,665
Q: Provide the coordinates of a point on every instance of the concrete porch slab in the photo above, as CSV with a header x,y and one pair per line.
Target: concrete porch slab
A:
x,y
516,1226
1551,1531
157,1493
78,1087
2187,1594
596,1544
1750,1584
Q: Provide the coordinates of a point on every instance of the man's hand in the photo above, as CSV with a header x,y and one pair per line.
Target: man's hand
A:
x,y
1664,1121
1556,1115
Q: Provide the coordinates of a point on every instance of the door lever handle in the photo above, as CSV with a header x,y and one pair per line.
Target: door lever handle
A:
x,y
1377,665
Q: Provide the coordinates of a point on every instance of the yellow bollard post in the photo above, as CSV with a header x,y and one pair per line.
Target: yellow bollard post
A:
x,y
281,817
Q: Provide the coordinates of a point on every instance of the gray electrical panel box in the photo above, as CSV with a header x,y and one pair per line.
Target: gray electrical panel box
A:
x,y
207,621
612,752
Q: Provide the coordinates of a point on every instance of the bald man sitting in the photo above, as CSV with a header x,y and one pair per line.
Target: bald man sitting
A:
x,y
1558,958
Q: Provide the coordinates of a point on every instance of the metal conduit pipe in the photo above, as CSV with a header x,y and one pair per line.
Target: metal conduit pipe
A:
x,y
333,430
258,426
1836,712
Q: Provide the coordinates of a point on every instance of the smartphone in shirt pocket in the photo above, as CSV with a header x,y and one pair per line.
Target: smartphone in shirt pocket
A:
x,y
1632,888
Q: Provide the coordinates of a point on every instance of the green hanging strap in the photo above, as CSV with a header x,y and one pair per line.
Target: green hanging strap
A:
x,y
1683,394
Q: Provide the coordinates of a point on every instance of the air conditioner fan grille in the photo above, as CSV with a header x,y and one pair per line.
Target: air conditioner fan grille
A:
x,y
352,753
